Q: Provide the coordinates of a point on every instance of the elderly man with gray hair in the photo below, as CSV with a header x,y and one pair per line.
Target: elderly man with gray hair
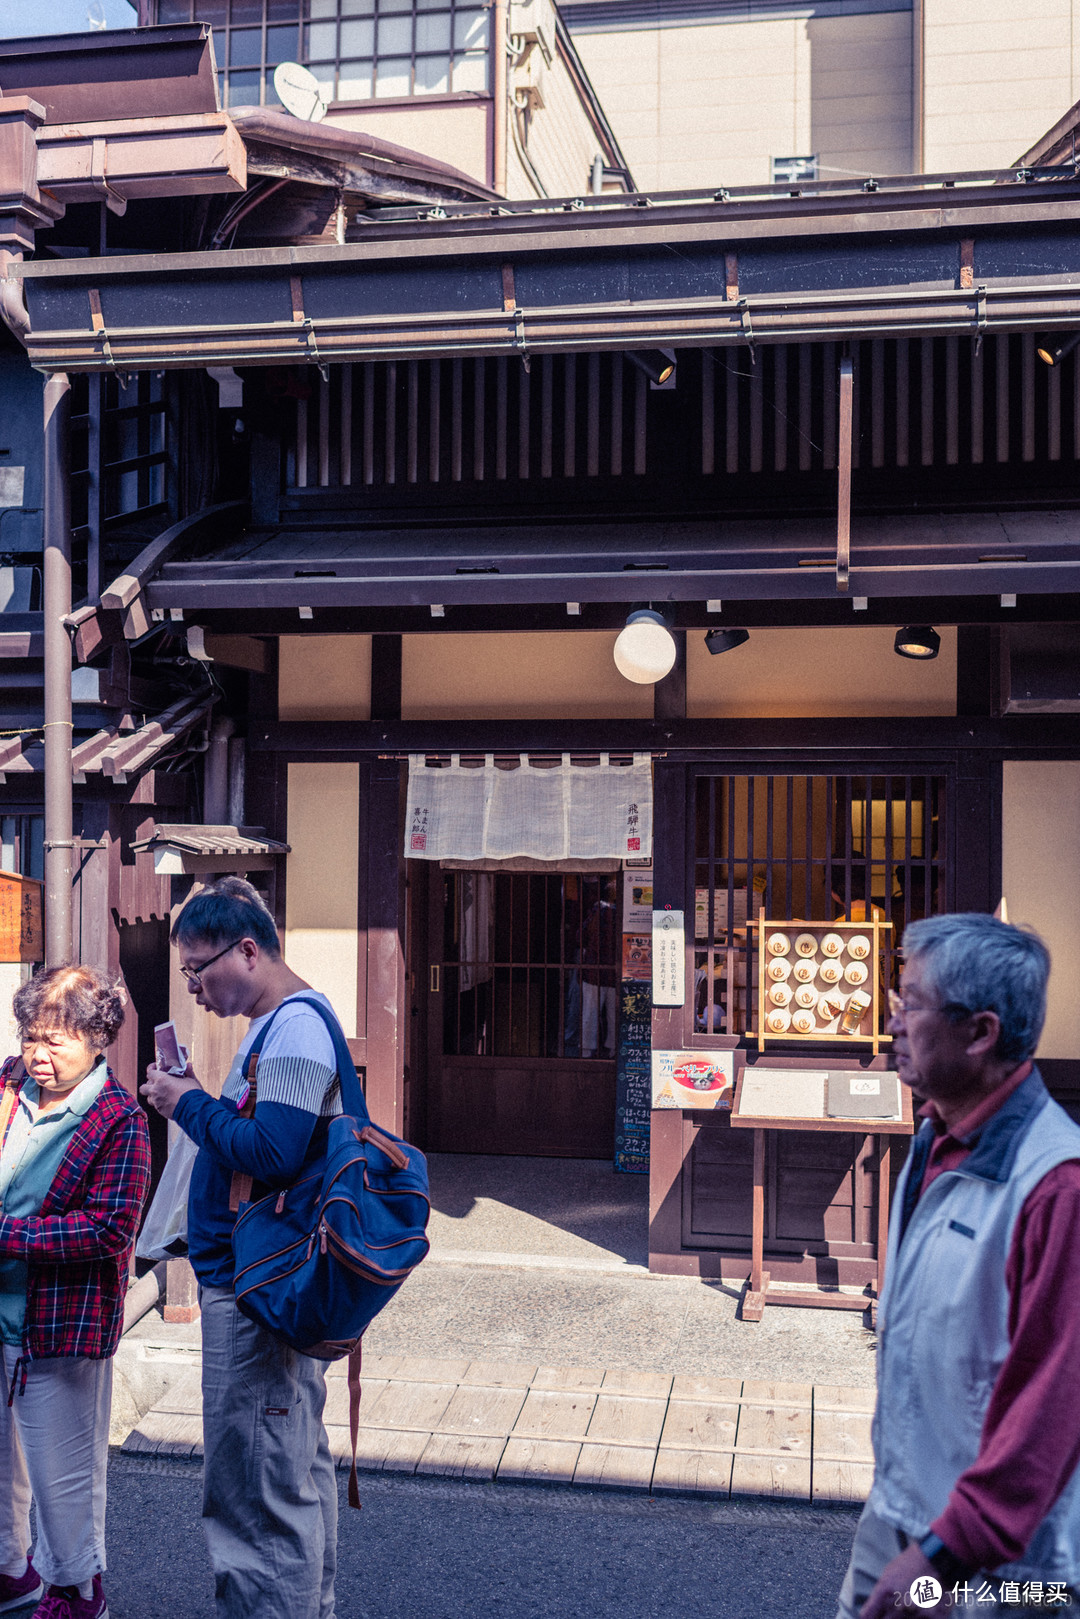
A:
x,y
976,1493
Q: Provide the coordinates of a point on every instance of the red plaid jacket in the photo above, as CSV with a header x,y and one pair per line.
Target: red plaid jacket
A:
x,y
77,1247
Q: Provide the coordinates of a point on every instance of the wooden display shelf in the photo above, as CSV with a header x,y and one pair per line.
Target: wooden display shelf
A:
x,y
869,1031
757,1293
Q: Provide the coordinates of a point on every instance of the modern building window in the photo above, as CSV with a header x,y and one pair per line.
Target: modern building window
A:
x,y
788,170
357,49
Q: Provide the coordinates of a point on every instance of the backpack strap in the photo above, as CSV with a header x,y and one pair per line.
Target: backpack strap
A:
x,y
13,1080
352,1095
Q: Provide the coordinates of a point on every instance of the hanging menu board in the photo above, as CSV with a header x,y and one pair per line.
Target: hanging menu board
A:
x,y
21,932
633,1078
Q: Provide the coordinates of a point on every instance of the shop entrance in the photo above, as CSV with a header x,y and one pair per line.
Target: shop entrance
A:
x,y
518,999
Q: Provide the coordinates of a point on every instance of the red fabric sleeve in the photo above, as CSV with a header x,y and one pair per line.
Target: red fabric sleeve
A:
x,y
1031,1433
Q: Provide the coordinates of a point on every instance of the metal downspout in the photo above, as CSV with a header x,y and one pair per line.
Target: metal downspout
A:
x,y
57,603
500,96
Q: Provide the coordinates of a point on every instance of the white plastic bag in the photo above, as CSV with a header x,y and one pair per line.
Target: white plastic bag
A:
x,y
164,1231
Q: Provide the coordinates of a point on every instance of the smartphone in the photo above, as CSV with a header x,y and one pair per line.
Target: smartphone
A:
x,y
172,1056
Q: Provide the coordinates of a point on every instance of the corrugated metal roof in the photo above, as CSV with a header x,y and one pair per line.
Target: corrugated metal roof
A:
x,y
196,839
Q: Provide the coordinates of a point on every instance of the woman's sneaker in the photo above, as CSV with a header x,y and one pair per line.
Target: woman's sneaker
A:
x,y
64,1602
21,1592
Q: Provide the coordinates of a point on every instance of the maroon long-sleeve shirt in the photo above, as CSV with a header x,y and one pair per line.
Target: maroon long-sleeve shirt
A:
x,y
1030,1442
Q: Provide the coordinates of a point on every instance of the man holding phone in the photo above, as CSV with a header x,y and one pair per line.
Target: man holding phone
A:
x,y
270,1490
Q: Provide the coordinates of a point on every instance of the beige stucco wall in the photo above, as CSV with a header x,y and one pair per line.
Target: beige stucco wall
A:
x,y
528,676
1040,878
711,104
324,677
321,878
455,131
572,675
818,673
997,76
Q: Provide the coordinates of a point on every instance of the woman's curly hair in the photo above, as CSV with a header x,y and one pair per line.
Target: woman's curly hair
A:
x,y
78,1000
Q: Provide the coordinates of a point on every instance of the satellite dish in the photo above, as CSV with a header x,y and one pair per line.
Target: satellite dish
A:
x,y
299,93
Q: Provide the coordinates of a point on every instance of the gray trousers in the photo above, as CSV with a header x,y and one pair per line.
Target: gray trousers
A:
x,y
270,1491
54,1442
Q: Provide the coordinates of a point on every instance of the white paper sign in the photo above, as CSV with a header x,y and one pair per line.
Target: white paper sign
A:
x,y
668,958
637,901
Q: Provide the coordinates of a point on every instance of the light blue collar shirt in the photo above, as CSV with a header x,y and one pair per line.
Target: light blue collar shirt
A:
x,y
32,1154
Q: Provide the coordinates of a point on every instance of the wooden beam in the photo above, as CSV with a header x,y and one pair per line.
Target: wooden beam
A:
x,y
843,500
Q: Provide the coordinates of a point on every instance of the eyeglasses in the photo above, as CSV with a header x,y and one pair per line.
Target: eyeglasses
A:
x,y
898,1007
194,974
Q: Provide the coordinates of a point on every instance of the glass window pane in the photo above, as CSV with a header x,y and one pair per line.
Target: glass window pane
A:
x,y
282,10
241,11
433,32
322,42
326,85
395,35
213,12
470,72
322,8
386,6
432,75
244,89
432,5
354,81
357,38
470,30
394,78
281,44
245,47
174,11
357,8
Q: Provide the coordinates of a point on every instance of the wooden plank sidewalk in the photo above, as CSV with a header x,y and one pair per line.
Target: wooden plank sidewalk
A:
x,y
610,1429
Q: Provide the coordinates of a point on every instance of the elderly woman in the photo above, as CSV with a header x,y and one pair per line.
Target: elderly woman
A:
x,y
74,1170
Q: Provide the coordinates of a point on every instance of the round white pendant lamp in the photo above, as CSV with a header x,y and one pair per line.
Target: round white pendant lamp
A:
x,y
645,650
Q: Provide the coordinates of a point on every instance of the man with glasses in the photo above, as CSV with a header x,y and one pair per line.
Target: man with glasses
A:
x,y
270,1490
977,1429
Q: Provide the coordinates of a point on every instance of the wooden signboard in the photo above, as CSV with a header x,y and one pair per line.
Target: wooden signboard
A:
x,y
22,933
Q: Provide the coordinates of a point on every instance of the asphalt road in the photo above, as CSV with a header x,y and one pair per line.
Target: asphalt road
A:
x,y
441,1549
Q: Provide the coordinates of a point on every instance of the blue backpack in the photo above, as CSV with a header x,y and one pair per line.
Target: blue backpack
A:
x,y
315,1263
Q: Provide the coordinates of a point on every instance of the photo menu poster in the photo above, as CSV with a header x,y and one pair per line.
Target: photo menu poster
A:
x,y
633,1078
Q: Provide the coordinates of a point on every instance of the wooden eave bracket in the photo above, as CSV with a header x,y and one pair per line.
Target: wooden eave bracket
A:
x,y
127,595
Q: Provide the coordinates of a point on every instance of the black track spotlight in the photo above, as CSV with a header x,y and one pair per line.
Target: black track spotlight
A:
x,y
726,640
657,366
1054,349
917,641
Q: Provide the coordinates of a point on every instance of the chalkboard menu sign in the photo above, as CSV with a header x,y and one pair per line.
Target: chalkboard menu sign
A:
x,y
633,1078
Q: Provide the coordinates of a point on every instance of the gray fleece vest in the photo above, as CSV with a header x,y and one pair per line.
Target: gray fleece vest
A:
x,y
943,1323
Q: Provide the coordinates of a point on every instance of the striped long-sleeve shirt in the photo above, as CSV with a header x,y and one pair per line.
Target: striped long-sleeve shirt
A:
x,y
297,1093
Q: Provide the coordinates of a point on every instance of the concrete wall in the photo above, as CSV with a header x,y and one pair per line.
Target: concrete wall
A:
x,y
1040,878
819,673
997,76
324,677
322,880
712,103
560,140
